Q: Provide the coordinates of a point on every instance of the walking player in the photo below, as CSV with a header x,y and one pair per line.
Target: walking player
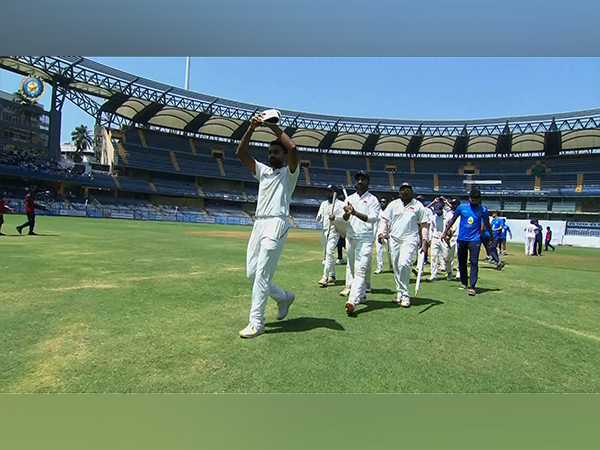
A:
x,y
30,207
276,185
362,213
380,246
548,239
405,223
469,241
330,213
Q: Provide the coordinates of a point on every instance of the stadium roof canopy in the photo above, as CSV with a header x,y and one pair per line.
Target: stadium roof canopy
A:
x,y
115,98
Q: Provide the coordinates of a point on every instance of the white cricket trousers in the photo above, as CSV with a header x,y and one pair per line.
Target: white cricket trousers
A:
x,y
330,246
403,253
437,254
358,267
380,248
264,249
529,245
448,254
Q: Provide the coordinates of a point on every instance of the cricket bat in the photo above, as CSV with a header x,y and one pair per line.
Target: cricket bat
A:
x,y
420,263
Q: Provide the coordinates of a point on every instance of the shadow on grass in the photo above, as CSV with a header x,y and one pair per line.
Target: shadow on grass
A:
x,y
302,324
481,290
29,236
383,291
374,305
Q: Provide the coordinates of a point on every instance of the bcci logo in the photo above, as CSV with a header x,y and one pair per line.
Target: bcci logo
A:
x,y
470,221
32,87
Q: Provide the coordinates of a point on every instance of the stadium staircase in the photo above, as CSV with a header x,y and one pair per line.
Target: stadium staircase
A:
x,y
142,138
122,152
579,185
193,147
174,161
306,176
221,167
152,186
116,180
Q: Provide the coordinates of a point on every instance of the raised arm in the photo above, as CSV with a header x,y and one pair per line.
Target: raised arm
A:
x,y
292,151
242,149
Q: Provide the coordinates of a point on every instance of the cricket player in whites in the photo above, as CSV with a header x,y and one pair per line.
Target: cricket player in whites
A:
x,y
437,222
449,247
405,223
276,185
386,244
330,212
362,214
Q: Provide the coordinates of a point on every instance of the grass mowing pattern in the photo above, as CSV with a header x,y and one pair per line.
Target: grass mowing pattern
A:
x,y
95,305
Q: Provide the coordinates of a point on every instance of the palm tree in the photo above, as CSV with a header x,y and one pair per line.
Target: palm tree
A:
x,y
82,139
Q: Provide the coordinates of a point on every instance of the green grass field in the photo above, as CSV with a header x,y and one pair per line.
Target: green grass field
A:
x,y
94,305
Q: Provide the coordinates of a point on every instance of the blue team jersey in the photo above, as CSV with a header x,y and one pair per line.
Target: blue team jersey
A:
x,y
505,230
497,223
471,219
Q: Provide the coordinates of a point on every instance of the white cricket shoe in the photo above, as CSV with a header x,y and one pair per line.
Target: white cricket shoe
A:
x,y
368,289
345,292
252,331
331,280
378,271
405,302
323,282
340,261
284,306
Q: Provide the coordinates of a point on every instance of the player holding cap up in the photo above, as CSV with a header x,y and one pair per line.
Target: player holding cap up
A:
x,y
276,185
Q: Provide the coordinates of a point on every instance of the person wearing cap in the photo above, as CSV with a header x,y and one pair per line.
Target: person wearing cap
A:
x,y
362,214
472,215
404,222
277,182
330,213
386,244
437,224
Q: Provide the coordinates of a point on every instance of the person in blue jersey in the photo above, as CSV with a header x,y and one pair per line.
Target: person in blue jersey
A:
x,y
472,215
505,231
490,242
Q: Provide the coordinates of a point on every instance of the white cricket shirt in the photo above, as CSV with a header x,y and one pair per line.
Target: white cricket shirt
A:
x,y
404,220
326,209
275,190
530,230
367,204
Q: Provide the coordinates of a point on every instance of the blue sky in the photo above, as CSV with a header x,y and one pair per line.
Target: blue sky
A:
x,y
398,88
